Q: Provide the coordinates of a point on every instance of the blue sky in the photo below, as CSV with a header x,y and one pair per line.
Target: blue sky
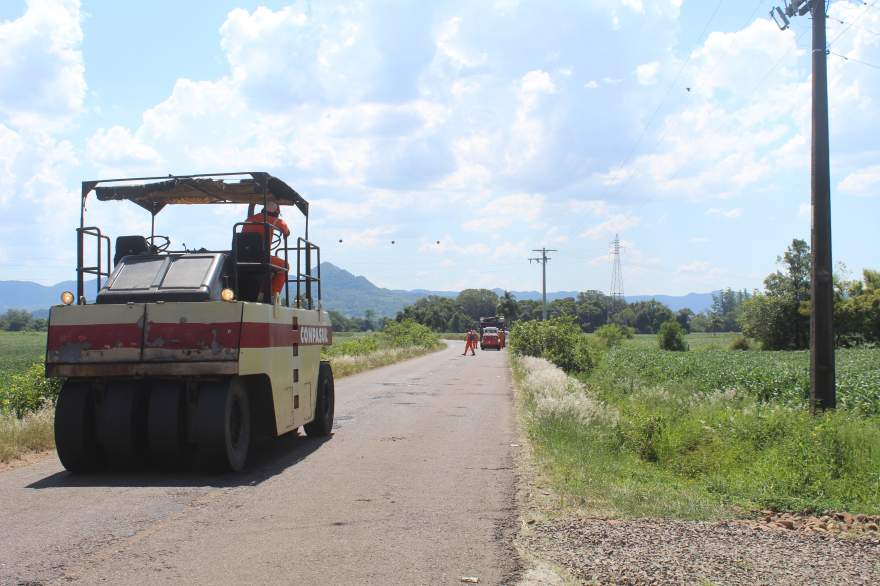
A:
x,y
492,127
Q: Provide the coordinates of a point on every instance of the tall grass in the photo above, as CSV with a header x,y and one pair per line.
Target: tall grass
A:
x,y
671,449
22,435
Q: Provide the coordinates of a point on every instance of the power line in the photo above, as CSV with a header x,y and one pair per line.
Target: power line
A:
x,y
854,21
749,94
860,28
754,12
638,142
853,59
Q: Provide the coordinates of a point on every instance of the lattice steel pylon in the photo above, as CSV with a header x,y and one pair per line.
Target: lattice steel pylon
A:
x,y
616,270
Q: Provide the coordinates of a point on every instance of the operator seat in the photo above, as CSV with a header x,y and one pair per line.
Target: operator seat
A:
x,y
249,250
126,245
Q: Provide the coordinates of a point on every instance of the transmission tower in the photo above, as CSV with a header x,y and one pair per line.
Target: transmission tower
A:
x,y
616,271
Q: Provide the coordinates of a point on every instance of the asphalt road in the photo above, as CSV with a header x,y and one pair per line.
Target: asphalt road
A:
x,y
416,486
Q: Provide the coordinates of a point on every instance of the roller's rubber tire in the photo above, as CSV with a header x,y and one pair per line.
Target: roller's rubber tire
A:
x,y
120,423
166,426
223,426
75,427
325,404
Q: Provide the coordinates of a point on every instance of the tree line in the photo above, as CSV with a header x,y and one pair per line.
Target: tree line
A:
x,y
20,320
590,310
779,317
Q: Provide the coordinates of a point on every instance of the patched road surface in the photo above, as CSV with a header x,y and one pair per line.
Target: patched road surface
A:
x,y
415,487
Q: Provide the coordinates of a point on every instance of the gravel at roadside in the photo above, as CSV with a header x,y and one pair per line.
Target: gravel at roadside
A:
x,y
607,551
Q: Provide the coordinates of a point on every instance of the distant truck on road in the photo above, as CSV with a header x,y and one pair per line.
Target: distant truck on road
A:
x,y
491,332
491,338
495,321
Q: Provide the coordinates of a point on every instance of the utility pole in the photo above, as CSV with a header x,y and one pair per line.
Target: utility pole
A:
x,y
543,260
822,386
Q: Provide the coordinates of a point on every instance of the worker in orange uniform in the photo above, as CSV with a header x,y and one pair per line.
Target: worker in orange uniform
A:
x,y
502,338
271,214
470,343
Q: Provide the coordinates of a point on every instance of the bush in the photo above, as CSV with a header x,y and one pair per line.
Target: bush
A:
x,y
402,334
406,333
28,391
671,336
740,343
360,346
611,335
558,340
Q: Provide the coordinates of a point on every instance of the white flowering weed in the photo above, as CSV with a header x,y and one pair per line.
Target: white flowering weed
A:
x,y
556,393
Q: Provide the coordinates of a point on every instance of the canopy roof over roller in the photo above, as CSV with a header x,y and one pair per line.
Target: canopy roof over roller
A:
x,y
154,193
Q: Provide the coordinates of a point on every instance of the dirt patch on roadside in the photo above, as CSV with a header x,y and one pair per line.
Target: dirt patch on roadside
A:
x,y
26,460
611,551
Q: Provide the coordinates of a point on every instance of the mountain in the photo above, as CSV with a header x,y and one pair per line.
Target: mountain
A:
x,y
697,302
342,291
353,295
32,296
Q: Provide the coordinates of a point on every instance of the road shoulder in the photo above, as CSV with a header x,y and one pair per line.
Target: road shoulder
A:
x,y
562,542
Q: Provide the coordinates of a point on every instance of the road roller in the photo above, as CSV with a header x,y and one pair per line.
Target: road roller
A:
x,y
184,357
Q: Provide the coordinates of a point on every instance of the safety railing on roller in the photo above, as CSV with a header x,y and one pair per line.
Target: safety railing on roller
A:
x,y
100,269
305,278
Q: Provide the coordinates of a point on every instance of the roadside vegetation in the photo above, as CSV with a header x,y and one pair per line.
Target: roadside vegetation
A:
x,y
27,397
705,433
397,341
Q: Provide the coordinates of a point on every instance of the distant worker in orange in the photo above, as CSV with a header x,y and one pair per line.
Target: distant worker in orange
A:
x,y
470,343
502,338
271,214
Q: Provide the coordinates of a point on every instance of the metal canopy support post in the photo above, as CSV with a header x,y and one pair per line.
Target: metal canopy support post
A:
x,y
308,261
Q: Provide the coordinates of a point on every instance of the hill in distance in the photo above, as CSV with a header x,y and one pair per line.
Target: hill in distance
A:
x,y
353,295
343,291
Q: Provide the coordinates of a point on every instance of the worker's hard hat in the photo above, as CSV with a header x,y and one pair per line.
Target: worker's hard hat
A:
x,y
271,207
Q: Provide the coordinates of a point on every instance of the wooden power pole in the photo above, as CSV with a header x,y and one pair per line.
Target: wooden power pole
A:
x,y
822,387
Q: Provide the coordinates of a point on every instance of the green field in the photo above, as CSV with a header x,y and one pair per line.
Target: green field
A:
x,y
696,341
18,350
778,376
708,433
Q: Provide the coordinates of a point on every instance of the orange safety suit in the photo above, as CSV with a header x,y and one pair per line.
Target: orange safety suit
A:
x,y
470,343
501,337
279,278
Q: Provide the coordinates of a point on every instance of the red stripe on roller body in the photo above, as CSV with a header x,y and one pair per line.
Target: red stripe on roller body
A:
x,y
95,336
189,335
267,335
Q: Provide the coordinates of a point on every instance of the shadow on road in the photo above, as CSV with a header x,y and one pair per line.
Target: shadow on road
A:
x,y
267,459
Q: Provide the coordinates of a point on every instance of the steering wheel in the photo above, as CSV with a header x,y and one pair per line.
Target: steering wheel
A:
x,y
165,242
277,240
